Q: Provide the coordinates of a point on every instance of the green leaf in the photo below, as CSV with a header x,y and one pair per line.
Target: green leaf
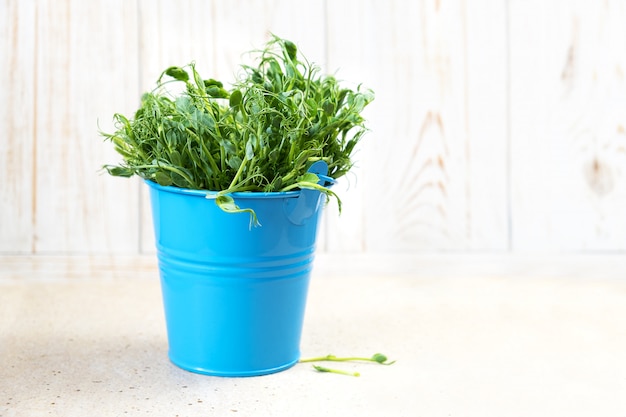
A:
x,y
216,92
227,203
309,177
273,155
292,50
229,148
178,180
175,158
119,171
249,149
335,371
162,178
173,137
329,108
177,73
184,105
235,98
382,359
211,82
379,357
278,183
234,162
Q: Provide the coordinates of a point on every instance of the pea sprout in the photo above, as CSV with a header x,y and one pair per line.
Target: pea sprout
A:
x,y
376,358
335,371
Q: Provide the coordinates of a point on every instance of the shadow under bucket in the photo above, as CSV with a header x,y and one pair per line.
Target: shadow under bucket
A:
x,y
234,295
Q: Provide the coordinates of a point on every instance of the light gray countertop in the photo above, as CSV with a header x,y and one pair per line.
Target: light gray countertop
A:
x,y
505,344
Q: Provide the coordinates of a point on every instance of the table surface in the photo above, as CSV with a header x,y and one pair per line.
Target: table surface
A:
x,y
512,341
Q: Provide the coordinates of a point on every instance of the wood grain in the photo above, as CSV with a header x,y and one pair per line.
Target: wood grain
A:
x,y
86,67
497,126
568,118
17,129
420,172
487,123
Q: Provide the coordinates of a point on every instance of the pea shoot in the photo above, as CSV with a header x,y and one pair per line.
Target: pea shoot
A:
x,y
335,371
260,135
376,358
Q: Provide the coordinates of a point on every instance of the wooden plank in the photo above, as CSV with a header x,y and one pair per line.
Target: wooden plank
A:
x,y
17,53
568,102
487,121
86,67
352,55
421,171
216,35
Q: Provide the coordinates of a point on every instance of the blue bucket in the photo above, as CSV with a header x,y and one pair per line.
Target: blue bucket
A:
x,y
234,295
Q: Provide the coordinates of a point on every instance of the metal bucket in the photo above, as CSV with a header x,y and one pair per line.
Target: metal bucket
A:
x,y
234,295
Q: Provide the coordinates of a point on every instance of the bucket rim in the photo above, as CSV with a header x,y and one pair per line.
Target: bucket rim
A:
x,y
213,194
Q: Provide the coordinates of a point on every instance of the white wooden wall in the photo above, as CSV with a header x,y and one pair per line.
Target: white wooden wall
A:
x,y
498,125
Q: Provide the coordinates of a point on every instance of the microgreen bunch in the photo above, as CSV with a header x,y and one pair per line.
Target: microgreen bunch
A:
x,y
262,134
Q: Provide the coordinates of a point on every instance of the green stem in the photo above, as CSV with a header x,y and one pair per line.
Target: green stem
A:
x,y
204,148
314,186
378,358
238,174
335,371
167,168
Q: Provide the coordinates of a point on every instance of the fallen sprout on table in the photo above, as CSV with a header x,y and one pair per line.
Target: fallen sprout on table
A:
x,y
335,371
376,358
